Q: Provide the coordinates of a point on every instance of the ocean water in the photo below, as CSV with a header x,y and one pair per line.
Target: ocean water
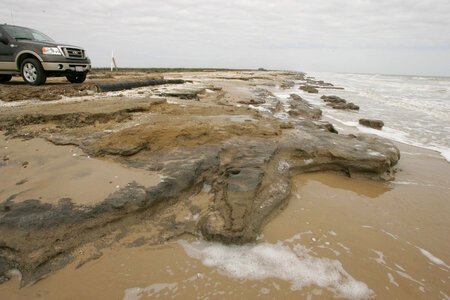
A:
x,y
415,109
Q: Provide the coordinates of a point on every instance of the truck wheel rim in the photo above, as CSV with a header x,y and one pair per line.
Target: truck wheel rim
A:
x,y
30,72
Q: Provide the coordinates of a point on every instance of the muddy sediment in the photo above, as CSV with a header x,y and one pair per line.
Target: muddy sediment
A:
x,y
221,155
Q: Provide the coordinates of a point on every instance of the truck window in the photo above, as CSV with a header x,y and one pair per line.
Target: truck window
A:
x,y
26,34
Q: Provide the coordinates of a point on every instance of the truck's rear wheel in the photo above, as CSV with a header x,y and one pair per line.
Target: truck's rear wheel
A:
x,y
76,78
5,78
32,72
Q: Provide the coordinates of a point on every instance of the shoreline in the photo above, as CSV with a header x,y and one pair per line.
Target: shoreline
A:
x,y
360,129
415,110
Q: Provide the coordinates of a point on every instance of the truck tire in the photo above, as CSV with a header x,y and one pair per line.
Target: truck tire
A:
x,y
76,78
32,72
5,78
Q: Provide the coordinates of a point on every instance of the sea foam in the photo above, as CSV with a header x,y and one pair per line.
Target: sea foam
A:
x,y
433,258
265,260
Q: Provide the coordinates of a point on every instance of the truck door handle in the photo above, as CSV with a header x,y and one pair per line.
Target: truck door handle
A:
x,y
13,46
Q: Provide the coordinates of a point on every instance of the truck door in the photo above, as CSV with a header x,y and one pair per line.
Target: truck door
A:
x,y
6,53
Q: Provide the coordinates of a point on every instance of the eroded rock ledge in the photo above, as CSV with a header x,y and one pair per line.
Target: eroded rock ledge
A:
x,y
246,165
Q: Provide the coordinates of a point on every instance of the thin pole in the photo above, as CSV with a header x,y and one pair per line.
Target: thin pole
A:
x,y
113,61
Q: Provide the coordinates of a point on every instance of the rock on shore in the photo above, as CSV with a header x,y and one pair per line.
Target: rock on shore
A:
x,y
287,84
376,124
339,103
300,107
309,89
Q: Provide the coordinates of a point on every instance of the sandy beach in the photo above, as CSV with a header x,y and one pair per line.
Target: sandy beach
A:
x,y
212,189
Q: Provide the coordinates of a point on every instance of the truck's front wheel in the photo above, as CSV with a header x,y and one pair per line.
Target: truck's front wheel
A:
x,y
76,78
5,78
32,72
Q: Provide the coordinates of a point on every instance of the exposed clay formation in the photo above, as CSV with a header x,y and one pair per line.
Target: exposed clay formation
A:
x,y
300,107
256,183
247,165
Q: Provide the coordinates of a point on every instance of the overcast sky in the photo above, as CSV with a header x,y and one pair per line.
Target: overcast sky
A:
x,y
359,36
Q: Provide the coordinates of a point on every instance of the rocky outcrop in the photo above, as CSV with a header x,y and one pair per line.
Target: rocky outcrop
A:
x,y
333,99
376,124
174,133
266,97
347,106
300,107
339,103
298,98
256,184
309,89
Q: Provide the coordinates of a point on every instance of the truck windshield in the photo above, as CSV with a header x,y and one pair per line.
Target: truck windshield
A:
x,y
22,33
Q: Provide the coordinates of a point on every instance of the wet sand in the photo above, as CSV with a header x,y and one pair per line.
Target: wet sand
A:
x,y
392,237
379,230
37,169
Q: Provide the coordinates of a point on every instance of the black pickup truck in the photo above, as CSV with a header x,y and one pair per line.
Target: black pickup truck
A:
x,y
35,56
